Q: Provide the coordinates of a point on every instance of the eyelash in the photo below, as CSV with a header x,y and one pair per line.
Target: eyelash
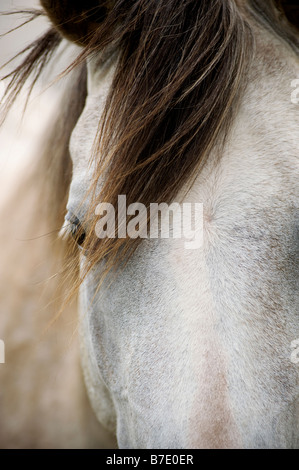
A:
x,y
78,234
75,230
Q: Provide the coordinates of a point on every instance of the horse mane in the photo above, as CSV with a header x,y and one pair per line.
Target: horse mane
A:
x,y
165,111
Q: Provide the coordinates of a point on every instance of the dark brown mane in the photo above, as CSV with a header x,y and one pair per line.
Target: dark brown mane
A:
x,y
181,73
291,9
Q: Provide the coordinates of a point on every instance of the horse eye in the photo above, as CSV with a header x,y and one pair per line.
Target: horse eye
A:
x,y
76,230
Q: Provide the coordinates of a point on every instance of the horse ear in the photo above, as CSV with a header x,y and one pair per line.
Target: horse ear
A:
x,y
76,20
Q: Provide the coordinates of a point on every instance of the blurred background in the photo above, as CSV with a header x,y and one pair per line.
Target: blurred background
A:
x,y
19,136
43,402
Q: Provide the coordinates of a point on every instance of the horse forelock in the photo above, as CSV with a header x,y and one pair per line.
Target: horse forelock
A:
x,y
164,113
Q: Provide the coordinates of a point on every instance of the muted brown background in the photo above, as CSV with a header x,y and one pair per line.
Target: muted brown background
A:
x,y
43,402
